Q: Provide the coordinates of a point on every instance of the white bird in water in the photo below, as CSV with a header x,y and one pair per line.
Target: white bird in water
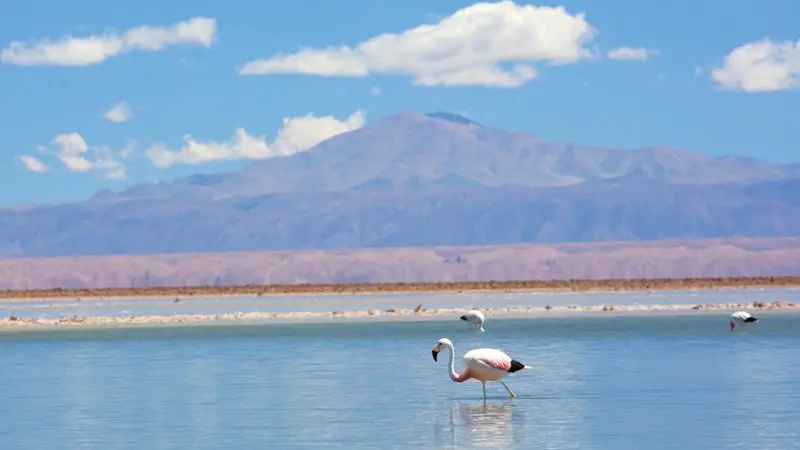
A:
x,y
474,318
740,318
482,364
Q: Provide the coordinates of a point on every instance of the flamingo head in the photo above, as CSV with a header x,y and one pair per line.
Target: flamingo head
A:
x,y
443,343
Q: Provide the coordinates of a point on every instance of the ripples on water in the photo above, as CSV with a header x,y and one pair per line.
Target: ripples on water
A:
x,y
596,383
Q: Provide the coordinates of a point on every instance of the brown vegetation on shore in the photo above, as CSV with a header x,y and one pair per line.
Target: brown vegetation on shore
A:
x,y
399,288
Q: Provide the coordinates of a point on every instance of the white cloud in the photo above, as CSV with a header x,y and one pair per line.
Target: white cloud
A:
x,y
376,90
118,113
73,152
90,50
631,53
760,66
488,75
241,145
471,47
297,134
33,164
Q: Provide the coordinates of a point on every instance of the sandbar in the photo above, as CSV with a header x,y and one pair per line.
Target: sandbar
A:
x,y
419,313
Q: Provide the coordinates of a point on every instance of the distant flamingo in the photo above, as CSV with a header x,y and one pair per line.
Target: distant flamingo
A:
x,y
740,318
482,364
474,318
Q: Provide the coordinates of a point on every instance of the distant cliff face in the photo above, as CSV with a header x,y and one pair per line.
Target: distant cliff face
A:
x,y
413,179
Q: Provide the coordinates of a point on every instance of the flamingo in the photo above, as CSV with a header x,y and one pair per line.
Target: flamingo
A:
x,y
474,318
482,364
740,318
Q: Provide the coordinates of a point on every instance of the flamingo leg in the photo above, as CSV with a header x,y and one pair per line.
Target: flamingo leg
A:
x,y
510,392
484,390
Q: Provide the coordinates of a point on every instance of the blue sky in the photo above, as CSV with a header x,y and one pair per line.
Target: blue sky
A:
x,y
495,63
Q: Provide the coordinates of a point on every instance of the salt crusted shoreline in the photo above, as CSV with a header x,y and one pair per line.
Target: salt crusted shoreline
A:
x,y
419,313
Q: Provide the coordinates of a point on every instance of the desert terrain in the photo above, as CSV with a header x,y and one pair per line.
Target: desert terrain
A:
x,y
678,265
608,285
633,265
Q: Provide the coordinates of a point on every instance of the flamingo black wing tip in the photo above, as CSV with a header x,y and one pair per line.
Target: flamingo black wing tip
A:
x,y
516,366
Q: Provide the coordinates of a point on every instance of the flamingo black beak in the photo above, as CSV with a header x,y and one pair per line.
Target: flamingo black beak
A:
x,y
435,352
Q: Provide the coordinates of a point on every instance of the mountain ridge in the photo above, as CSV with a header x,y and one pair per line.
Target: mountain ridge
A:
x,y
409,145
410,179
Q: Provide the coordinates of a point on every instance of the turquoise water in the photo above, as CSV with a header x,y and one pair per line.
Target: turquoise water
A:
x,y
652,382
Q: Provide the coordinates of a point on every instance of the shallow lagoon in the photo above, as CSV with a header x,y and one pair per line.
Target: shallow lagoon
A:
x,y
600,382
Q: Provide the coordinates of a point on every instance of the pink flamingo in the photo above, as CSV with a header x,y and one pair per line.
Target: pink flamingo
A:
x,y
741,318
482,364
474,318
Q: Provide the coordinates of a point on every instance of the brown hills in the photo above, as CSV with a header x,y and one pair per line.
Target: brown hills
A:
x,y
686,258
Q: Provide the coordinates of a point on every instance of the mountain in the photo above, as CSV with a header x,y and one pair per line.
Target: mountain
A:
x,y
414,150
413,179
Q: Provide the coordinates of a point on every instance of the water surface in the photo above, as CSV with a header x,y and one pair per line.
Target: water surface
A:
x,y
597,383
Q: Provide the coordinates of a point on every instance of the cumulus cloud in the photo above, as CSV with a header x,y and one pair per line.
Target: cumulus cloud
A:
x,y
760,66
474,46
631,53
118,113
297,134
488,76
77,156
33,164
91,50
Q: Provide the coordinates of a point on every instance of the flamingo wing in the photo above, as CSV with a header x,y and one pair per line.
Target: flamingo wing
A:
x,y
489,358
741,316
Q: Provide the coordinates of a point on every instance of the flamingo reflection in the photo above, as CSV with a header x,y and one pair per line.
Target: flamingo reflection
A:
x,y
481,425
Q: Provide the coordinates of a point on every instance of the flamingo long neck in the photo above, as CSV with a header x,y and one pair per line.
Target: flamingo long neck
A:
x,y
455,376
